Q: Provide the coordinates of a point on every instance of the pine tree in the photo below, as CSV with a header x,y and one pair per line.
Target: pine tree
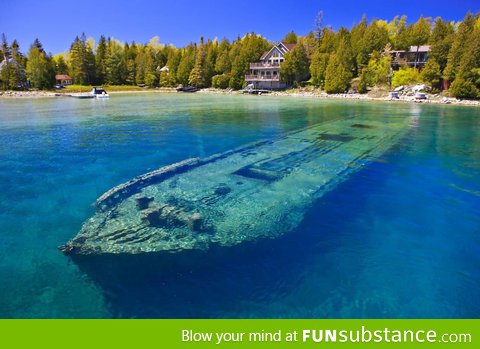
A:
x,y
358,42
458,47
244,51
78,66
40,70
186,64
321,55
130,57
61,66
290,38
115,64
295,68
223,63
12,74
420,34
197,75
210,60
376,38
431,73
377,71
100,58
441,42
340,68
467,80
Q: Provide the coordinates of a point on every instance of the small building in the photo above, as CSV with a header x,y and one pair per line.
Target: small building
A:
x,y
265,74
415,56
63,79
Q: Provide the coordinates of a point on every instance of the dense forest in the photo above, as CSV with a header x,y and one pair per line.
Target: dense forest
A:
x,y
335,61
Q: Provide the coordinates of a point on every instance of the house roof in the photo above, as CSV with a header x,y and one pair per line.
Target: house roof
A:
x,y
281,46
423,48
289,46
9,61
62,77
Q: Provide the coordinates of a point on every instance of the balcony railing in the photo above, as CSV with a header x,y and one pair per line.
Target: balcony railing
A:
x,y
262,77
264,65
409,63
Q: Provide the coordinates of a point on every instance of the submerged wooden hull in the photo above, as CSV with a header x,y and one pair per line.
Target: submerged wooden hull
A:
x,y
261,190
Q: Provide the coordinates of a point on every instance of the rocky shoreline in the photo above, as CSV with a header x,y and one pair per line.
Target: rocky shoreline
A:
x,y
432,99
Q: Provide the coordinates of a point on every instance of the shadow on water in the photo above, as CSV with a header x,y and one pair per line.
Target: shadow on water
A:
x,y
197,284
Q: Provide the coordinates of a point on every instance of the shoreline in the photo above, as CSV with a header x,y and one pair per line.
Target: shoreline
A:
x,y
289,93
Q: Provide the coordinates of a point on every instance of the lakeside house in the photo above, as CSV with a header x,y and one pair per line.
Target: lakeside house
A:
x,y
415,56
265,74
63,79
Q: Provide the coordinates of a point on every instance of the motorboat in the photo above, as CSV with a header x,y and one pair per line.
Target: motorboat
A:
x,y
99,92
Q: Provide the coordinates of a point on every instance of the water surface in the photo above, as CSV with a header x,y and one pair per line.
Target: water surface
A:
x,y
400,238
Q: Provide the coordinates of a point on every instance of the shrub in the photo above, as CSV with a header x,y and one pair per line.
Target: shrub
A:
x,y
220,81
431,73
405,76
462,88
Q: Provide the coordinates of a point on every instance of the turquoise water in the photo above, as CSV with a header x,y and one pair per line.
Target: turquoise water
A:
x,y
399,238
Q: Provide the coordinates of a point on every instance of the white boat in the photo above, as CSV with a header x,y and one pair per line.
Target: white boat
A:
x,y
99,92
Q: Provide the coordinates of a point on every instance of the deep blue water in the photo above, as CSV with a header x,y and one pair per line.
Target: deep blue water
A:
x,y
399,238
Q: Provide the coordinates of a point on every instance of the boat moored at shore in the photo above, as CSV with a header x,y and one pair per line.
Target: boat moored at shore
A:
x,y
97,92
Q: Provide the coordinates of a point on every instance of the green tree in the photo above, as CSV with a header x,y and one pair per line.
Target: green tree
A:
x,y
321,55
210,61
223,63
403,37
40,70
375,39
295,68
197,75
78,61
340,68
467,80
220,81
406,76
420,34
462,88
115,64
441,42
431,73
130,63
290,38
377,71
395,27
173,61
100,61
12,73
61,66
186,64
244,51
358,42
458,47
